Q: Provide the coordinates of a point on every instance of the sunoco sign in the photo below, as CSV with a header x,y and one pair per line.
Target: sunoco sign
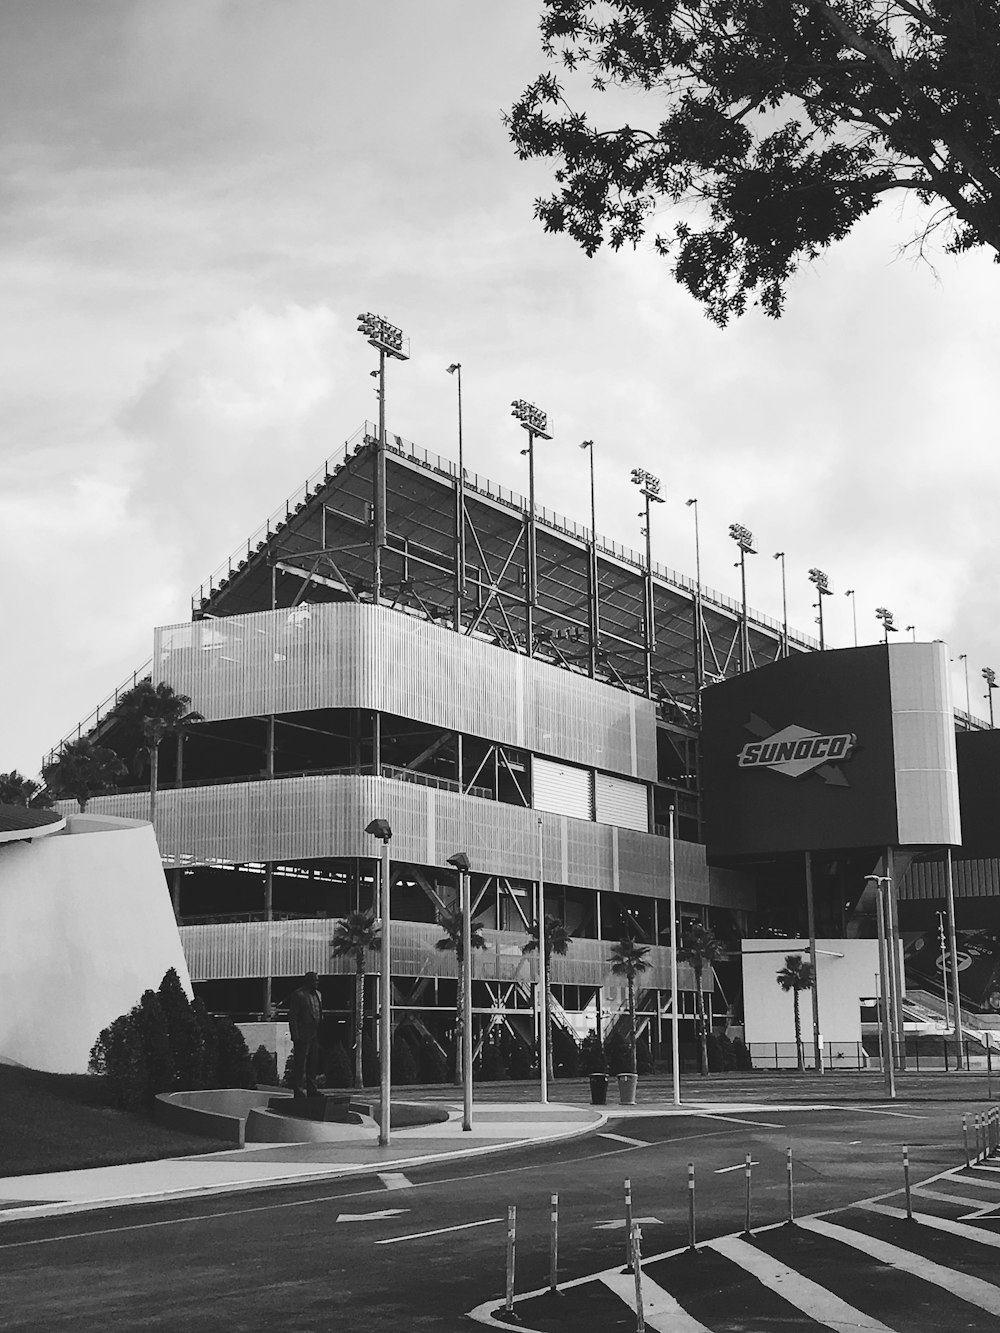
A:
x,y
796,750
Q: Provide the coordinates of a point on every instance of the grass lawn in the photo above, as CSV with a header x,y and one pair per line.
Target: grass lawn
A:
x,y
57,1122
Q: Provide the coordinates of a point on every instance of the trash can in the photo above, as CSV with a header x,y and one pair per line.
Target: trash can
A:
x,y
598,1089
627,1084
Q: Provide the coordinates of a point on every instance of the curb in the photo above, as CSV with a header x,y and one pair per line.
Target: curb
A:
x,y
70,1207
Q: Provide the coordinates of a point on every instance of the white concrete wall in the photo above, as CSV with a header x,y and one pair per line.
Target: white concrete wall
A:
x,y
846,971
85,927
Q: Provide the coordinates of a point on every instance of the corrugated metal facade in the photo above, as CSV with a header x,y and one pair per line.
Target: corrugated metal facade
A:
x,y
923,740
618,801
298,818
562,789
347,655
241,949
971,879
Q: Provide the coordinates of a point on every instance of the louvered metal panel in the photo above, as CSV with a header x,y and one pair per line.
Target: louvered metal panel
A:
x,y
618,801
231,951
562,789
347,655
971,879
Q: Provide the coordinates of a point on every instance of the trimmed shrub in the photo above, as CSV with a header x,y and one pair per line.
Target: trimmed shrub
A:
x,y
186,1046
335,1064
643,1057
518,1056
265,1067
592,1057
209,1045
617,1053
741,1052
404,1065
716,1063
565,1052
492,1066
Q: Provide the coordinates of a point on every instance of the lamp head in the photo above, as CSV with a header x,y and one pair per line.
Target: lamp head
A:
x,y
455,365
460,861
379,828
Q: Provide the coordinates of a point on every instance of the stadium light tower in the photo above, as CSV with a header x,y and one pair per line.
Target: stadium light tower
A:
x,y
854,614
456,369
824,588
649,489
780,555
885,615
389,342
536,423
990,676
743,538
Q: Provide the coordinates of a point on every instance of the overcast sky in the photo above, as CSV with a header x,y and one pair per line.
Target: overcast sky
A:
x,y
200,195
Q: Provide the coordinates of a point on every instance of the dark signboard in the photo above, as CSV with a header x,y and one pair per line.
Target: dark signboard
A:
x,y
798,755
979,792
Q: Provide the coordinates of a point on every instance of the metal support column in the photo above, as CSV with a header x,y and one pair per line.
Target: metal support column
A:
x,y
811,916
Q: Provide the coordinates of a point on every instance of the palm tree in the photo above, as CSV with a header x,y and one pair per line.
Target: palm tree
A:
x,y
628,960
16,789
700,947
355,937
151,713
82,770
452,921
795,976
557,941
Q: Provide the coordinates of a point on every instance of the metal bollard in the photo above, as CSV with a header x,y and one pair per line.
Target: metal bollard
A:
x,y
635,1254
906,1182
692,1241
965,1137
511,1245
628,1226
979,1153
746,1228
788,1169
554,1244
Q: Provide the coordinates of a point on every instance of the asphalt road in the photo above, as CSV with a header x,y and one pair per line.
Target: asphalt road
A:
x,y
321,1257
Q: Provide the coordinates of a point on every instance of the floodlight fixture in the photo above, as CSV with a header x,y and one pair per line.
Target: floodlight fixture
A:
x,y
383,336
532,418
460,861
648,485
379,828
885,615
822,581
743,538
455,365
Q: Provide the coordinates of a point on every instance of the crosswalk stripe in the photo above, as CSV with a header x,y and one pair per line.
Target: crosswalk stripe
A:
x,y
622,1138
941,1197
808,1296
661,1313
980,1182
978,1234
971,1289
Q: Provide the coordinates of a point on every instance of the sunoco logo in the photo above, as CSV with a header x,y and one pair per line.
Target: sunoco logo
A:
x,y
796,750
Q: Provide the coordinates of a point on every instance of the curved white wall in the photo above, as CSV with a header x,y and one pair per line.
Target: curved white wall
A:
x,y
85,927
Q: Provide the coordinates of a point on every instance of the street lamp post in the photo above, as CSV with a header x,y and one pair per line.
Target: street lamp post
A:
x,y
885,615
964,657
456,369
699,643
943,964
595,601
649,489
535,422
888,1058
543,972
675,1046
824,588
379,828
388,341
854,614
462,864
743,538
990,676
912,630
780,555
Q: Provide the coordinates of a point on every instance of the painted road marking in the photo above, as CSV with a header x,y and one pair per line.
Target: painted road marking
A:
x,y
808,1296
371,1217
662,1314
420,1235
979,1234
621,1138
979,1182
394,1180
972,1289
940,1197
872,1110
721,1171
735,1120
616,1224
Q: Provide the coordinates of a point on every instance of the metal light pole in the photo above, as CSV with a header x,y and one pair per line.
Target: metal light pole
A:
x,y
743,538
953,955
780,555
535,422
912,630
388,341
888,1059
964,657
885,615
699,644
824,588
854,614
379,828
649,489
462,864
456,369
543,972
675,1045
595,600
943,965
990,676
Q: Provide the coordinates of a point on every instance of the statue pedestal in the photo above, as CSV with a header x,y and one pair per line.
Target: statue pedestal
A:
x,y
331,1109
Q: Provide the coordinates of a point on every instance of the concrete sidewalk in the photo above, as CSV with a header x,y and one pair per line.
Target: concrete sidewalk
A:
x,y
495,1128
